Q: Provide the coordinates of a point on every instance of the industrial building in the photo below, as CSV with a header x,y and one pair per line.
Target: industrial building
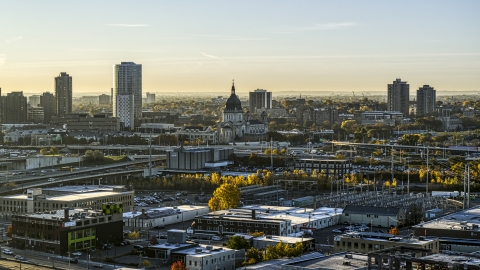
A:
x,y
459,231
194,256
68,230
198,158
271,220
262,242
385,217
256,194
153,217
51,199
365,242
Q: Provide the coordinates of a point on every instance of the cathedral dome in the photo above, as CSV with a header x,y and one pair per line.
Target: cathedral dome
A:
x,y
233,103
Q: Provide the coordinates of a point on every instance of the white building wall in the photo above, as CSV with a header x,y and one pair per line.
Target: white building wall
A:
x,y
125,109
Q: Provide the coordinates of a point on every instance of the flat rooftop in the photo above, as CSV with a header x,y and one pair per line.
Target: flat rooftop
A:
x,y
59,214
335,261
82,189
164,211
68,197
285,239
202,250
387,238
449,258
468,220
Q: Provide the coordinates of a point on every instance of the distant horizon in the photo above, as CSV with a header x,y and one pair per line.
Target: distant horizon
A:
x,y
304,94
281,46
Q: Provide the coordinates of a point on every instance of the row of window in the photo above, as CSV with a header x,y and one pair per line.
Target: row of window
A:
x,y
239,223
213,261
215,229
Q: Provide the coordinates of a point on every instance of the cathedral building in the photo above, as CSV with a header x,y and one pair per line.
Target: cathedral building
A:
x,y
237,125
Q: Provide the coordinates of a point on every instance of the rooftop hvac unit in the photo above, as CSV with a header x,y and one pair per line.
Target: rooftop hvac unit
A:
x,y
346,263
209,247
348,256
198,250
268,237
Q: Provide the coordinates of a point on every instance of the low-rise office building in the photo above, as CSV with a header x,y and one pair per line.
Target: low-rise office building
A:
x,y
50,199
85,121
330,167
162,216
385,217
365,242
68,230
194,256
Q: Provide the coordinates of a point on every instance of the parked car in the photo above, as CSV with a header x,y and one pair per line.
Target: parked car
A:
x,y
73,260
20,258
51,179
7,251
77,253
138,247
98,265
216,238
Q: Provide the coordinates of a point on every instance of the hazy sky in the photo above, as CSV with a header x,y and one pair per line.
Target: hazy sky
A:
x,y
200,46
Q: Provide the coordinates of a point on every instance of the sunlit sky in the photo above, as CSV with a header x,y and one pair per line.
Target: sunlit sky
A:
x,y
314,47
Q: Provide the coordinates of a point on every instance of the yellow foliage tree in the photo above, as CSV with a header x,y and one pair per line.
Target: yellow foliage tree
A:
x,y
394,231
228,195
214,204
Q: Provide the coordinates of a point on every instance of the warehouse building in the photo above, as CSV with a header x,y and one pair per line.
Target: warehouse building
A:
x,y
330,167
386,217
51,199
365,242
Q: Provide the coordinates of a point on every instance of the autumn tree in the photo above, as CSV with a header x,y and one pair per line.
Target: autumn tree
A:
x,y
238,242
214,204
9,231
178,265
228,195
394,231
54,150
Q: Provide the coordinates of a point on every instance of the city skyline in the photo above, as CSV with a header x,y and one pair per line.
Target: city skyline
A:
x,y
281,46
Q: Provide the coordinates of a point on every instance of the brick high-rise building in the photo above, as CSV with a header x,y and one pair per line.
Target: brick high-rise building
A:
x,y
259,99
13,108
63,94
398,97
426,99
47,101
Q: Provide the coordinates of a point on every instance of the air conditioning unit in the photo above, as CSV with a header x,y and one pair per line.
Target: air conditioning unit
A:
x,y
346,263
209,247
198,250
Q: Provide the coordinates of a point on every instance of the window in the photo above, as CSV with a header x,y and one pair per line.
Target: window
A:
x,y
370,246
355,245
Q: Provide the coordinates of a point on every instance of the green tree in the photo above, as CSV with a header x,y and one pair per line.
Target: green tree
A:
x,y
253,255
238,242
229,196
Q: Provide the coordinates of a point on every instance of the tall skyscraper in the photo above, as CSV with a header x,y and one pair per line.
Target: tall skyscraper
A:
x,y
398,97
63,94
127,92
47,101
259,99
426,99
13,108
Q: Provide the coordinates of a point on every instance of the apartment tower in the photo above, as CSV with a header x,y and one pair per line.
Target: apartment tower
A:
x,y
426,99
127,92
63,94
398,97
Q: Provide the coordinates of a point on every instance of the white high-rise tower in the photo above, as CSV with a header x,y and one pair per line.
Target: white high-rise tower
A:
x,y
127,92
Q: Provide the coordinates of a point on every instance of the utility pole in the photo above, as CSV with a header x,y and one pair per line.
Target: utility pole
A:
x,y
464,185
428,169
468,185
150,160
